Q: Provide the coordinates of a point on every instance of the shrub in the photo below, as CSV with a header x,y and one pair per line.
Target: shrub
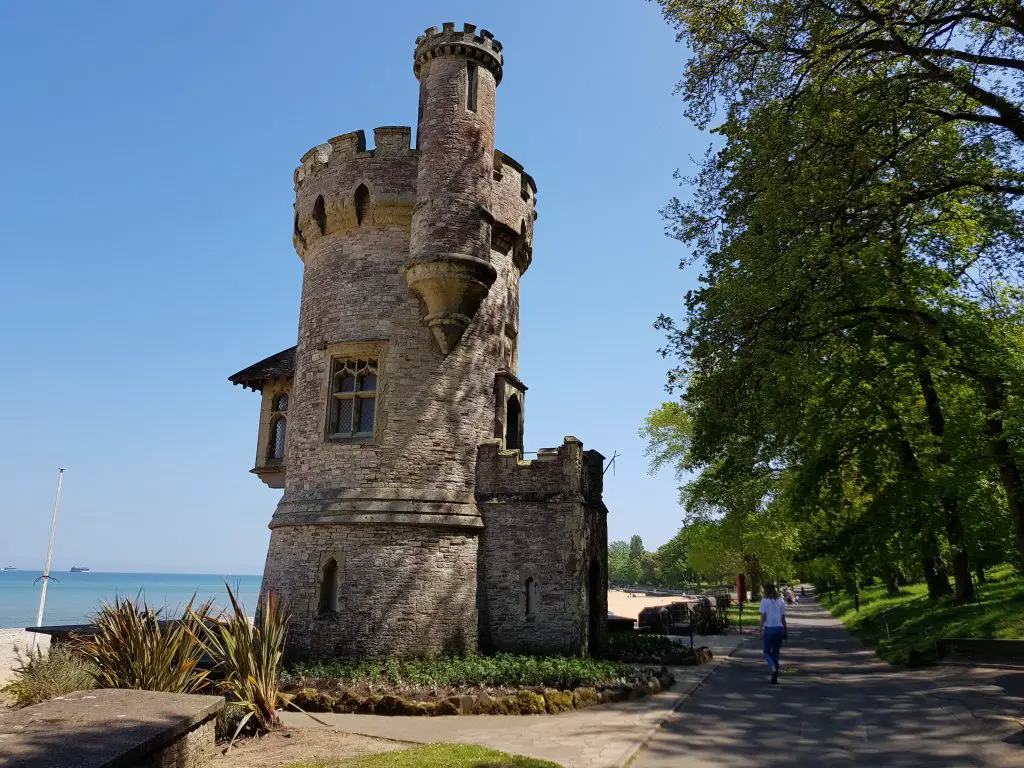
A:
x,y
248,655
40,676
633,646
500,670
134,648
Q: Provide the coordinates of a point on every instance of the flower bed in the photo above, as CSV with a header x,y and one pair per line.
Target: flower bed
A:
x,y
504,684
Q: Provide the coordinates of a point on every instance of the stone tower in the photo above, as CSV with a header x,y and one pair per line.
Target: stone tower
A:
x,y
395,426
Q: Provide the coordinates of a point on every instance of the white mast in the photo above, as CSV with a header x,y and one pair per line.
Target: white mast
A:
x,y
49,555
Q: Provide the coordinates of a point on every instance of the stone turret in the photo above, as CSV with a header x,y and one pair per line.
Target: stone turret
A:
x,y
406,364
450,266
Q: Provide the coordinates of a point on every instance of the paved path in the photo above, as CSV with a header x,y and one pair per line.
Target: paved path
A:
x,y
600,737
837,704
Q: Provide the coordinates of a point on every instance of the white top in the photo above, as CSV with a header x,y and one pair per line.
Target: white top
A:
x,y
773,611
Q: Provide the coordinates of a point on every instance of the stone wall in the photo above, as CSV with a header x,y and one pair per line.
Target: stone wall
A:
x,y
412,258
401,589
543,551
194,749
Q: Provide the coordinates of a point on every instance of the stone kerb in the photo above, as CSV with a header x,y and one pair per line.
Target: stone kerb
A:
x,y
111,729
528,701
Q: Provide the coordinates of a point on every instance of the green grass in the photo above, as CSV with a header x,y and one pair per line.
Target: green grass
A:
x,y
434,756
915,622
503,669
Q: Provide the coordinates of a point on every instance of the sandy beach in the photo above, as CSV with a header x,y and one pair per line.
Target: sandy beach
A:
x,y
629,606
10,638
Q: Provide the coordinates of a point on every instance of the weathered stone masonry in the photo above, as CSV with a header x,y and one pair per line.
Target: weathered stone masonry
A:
x,y
398,534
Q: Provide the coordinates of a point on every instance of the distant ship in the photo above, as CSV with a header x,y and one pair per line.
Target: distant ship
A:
x,y
78,569
9,568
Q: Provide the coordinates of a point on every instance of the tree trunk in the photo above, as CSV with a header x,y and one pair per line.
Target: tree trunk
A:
x,y
950,506
891,587
753,568
979,569
1003,455
961,563
934,569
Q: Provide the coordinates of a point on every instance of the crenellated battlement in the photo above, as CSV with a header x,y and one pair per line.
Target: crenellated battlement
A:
x,y
389,141
342,186
479,46
513,206
566,473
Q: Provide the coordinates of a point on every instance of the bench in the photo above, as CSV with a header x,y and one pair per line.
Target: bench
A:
x,y
110,728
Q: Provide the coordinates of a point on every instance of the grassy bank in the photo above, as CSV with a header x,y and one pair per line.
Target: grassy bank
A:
x,y
915,622
435,756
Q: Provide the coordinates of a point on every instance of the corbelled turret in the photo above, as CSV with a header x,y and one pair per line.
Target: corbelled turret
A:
x,y
449,266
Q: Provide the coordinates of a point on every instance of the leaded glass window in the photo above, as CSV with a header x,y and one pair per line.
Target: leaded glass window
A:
x,y
353,397
277,435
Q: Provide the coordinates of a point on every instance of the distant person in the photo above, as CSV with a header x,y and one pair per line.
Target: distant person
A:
x,y
802,592
773,628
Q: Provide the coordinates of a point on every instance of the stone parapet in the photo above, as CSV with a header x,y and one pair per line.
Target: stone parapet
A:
x,y
481,47
566,473
341,187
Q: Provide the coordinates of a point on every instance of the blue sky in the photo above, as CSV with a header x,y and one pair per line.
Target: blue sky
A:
x,y
145,233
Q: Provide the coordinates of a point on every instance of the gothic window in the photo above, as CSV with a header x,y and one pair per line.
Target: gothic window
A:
x,y
278,427
471,83
353,397
329,587
320,214
362,200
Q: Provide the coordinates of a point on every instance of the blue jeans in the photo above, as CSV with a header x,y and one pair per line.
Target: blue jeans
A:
x,y
772,645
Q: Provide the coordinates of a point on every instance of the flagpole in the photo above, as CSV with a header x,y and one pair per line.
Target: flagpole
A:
x,y
49,556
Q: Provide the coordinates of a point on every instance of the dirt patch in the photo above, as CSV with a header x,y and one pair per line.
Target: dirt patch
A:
x,y
299,745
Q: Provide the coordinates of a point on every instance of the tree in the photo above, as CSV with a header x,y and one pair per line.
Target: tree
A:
x,y
865,200
618,562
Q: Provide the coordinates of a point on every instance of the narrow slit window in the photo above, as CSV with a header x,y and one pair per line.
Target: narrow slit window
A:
x,y
361,201
320,214
531,598
329,587
471,81
277,438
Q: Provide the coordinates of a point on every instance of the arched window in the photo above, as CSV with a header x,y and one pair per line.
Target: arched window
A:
x,y
531,598
353,398
362,201
320,214
513,424
329,587
278,427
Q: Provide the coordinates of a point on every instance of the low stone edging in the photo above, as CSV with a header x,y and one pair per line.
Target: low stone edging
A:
x,y
525,702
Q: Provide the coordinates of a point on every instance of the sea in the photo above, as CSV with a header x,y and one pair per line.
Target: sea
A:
x,y
72,598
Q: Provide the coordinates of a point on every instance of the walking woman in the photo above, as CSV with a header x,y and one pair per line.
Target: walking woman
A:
x,y
773,628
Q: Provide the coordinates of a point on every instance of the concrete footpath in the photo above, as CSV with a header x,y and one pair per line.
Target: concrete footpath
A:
x,y
837,704
606,736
